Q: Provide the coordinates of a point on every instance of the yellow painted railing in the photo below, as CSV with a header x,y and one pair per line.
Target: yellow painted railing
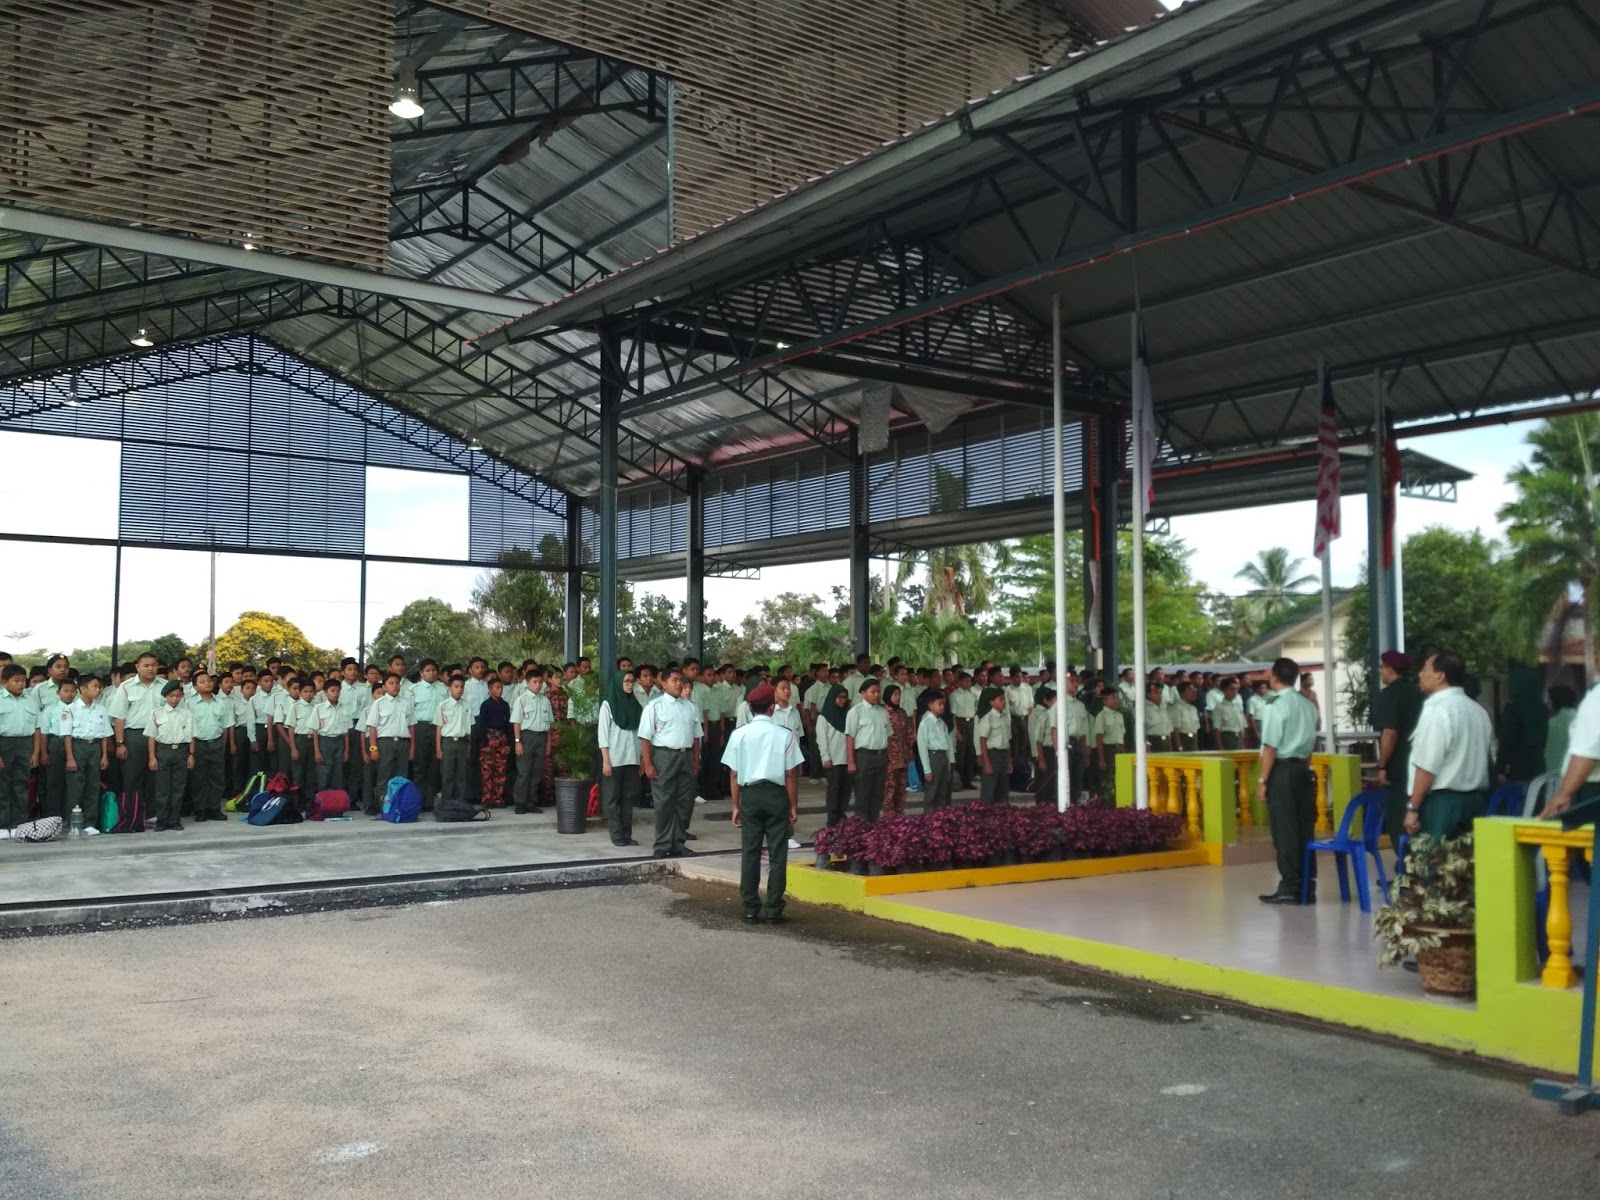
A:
x,y
1193,785
1556,847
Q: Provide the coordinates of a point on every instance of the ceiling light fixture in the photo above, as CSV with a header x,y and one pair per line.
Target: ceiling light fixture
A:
x,y
405,104
142,339
249,242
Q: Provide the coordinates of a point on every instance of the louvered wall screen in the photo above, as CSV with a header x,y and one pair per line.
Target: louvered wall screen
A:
x,y
772,92
501,522
217,118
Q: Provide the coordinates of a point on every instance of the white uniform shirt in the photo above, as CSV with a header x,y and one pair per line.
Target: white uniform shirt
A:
x,y
531,711
1077,716
171,726
132,701
963,704
868,724
453,717
390,716
830,744
1583,736
1452,739
1019,699
931,736
89,721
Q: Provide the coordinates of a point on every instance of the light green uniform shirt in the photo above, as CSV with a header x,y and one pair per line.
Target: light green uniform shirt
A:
x,y
331,721
868,724
425,700
211,716
994,729
1077,716
622,744
1156,723
1185,718
170,726
931,736
814,695
1452,739
762,751
1109,724
1228,717
454,717
670,723
700,697
131,702
532,711
852,684
1289,725
389,717
963,704
19,715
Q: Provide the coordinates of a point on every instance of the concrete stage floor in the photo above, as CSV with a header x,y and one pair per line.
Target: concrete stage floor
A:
x,y
642,1042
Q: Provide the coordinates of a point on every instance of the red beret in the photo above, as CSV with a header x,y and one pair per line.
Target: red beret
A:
x,y
1396,660
762,697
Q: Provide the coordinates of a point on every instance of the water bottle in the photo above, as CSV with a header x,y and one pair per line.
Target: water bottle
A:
x,y
75,828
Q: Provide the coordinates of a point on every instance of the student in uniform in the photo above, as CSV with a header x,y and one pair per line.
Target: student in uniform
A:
x,y
832,715
330,738
619,757
669,749
1157,729
390,737
302,723
227,688
284,698
19,726
933,750
992,730
452,729
963,704
1185,718
54,727
1041,744
246,733
1255,710
129,708
90,750
426,695
866,742
763,761
902,748
1109,738
212,719
1227,717
531,718
169,746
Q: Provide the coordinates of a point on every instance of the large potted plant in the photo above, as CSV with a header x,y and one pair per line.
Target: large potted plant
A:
x,y
1430,915
574,771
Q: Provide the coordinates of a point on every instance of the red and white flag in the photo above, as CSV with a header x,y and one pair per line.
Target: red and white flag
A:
x,y
1393,476
1327,471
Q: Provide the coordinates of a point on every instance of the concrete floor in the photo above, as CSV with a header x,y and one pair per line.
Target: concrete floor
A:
x,y
643,1042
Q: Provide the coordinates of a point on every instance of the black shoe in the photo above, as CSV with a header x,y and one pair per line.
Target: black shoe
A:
x,y
1281,898
176,827
682,852
630,841
690,837
535,811
775,919
752,917
521,810
621,842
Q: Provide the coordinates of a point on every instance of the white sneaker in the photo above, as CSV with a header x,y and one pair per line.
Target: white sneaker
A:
x,y
793,845
5,835
90,831
700,800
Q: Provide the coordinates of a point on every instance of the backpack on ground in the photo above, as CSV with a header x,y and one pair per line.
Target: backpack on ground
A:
x,y
127,815
110,811
45,829
331,803
402,803
269,809
241,802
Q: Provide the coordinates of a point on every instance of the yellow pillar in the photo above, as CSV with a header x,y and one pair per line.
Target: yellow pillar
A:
x,y
1191,791
1320,772
1558,972
1174,791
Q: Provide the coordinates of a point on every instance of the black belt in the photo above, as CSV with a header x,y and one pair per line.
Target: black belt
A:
x,y
1276,761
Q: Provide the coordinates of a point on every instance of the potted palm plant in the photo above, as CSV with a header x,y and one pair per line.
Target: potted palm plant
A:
x,y
1430,914
574,776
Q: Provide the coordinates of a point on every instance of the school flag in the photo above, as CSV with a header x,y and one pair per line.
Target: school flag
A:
x,y
1393,473
1145,408
1327,471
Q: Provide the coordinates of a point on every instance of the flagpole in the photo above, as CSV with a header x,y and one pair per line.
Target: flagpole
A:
x,y
1063,781
1141,752
1377,576
1330,693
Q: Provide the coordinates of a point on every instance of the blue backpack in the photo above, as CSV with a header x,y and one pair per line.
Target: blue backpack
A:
x,y
265,808
402,804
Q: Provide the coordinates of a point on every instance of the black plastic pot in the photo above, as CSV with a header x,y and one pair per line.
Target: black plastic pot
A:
x,y
572,805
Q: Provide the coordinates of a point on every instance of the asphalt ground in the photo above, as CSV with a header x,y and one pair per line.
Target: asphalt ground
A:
x,y
642,1041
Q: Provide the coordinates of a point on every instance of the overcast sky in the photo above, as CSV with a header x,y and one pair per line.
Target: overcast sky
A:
x,y
61,596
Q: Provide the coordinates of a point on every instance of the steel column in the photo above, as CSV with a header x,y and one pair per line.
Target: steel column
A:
x,y
1108,468
860,553
1088,506
361,618
574,631
695,565
613,378
116,606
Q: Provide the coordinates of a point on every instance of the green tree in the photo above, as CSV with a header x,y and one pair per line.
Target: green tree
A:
x,y
258,636
768,634
1273,581
655,631
432,629
169,647
1553,525
1453,583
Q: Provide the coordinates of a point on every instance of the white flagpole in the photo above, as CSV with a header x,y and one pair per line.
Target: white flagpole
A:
x,y
1141,753
1063,782
1330,693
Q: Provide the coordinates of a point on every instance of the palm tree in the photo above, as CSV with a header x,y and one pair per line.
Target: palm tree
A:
x,y
1272,580
960,579
1554,523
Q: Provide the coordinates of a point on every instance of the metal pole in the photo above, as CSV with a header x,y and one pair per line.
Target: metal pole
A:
x,y
1141,752
574,622
612,381
116,606
211,653
1329,693
1063,782
695,564
361,617
860,553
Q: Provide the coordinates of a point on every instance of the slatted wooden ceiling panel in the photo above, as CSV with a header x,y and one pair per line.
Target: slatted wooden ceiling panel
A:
x,y
772,92
218,118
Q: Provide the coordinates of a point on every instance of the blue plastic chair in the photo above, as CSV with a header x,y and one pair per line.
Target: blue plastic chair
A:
x,y
1369,806
1506,800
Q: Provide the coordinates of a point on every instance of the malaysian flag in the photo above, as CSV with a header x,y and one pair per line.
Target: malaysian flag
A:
x,y
1144,406
1393,473
1327,471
